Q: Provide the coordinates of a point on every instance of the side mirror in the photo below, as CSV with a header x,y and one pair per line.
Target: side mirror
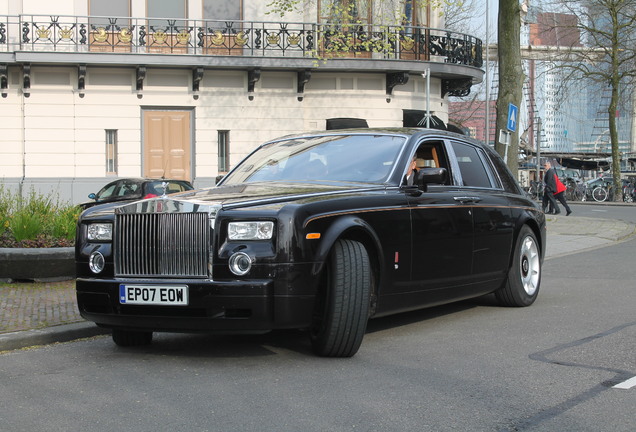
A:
x,y
218,179
427,176
92,196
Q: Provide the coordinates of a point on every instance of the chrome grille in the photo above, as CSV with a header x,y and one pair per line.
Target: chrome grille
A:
x,y
162,244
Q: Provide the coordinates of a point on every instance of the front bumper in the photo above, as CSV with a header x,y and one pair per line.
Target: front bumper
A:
x,y
233,306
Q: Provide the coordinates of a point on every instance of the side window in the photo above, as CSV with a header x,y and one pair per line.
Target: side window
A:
x,y
429,154
107,191
127,188
474,172
506,178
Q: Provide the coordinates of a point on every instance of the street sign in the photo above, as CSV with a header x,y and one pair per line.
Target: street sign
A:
x,y
513,111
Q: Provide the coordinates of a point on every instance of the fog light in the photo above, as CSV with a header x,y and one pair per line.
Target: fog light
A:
x,y
240,263
96,262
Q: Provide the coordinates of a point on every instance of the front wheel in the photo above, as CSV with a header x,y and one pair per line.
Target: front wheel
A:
x,y
578,195
342,305
524,276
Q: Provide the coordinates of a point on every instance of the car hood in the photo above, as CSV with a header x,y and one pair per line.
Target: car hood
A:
x,y
242,195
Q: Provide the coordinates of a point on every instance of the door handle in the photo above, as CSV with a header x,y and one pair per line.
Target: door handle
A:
x,y
467,199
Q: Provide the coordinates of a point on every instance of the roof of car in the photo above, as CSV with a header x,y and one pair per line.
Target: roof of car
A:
x,y
407,131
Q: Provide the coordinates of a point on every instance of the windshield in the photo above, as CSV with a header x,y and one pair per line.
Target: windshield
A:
x,y
349,158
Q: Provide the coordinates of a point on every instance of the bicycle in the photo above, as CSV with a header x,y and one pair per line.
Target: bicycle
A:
x,y
536,189
628,193
574,191
603,192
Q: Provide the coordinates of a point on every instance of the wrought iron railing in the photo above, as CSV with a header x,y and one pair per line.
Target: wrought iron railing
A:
x,y
235,38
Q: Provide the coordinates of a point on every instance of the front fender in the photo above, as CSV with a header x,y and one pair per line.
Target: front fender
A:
x,y
350,227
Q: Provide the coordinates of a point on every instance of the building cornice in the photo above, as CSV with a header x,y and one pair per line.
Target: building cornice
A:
x,y
438,70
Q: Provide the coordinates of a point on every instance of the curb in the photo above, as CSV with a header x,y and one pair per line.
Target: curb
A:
x,y
61,333
52,264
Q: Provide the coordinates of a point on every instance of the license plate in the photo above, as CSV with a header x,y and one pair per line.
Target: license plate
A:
x,y
174,295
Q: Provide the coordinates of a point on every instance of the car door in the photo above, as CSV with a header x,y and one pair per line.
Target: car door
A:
x,y
442,233
493,228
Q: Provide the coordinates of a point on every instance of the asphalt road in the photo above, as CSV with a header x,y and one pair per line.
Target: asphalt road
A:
x,y
472,366
625,213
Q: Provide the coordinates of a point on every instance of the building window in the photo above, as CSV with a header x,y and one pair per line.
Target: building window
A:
x,y
224,150
415,13
337,11
222,9
104,10
111,151
165,9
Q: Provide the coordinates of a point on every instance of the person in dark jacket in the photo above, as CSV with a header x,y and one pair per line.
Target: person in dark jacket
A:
x,y
550,189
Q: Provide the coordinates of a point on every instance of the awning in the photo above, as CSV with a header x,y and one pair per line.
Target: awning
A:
x,y
580,160
418,118
587,165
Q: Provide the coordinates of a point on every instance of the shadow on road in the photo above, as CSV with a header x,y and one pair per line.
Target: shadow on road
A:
x,y
268,344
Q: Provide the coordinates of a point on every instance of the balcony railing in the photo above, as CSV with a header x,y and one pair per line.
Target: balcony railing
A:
x,y
235,38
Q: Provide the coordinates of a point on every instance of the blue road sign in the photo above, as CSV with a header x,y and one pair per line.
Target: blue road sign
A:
x,y
513,111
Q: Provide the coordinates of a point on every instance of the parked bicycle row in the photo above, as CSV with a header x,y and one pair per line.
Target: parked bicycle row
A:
x,y
599,190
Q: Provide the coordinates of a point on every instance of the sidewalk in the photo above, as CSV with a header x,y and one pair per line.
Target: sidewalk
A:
x,y
572,234
43,313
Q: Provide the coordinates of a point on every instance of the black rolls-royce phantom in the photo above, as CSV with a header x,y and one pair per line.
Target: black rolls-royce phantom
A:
x,y
319,231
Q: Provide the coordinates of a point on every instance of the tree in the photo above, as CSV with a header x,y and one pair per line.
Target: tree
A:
x,y
459,16
511,76
608,29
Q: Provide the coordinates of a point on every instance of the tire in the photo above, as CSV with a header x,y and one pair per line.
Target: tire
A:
x,y
342,305
599,194
524,276
129,338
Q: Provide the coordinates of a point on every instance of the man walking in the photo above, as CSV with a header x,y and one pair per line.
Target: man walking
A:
x,y
549,178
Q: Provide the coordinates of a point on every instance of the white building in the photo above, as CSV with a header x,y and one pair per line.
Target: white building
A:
x,y
95,89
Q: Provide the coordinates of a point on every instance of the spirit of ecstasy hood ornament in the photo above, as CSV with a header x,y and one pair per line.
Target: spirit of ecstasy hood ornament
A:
x,y
164,185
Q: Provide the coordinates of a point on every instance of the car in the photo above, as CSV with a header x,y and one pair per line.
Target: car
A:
x,y
566,174
132,189
603,181
318,232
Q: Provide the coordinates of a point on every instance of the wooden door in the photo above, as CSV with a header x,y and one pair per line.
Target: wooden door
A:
x,y
167,144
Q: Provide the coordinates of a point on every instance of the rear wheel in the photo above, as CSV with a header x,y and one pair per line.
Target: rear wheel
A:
x,y
599,194
342,306
129,338
524,276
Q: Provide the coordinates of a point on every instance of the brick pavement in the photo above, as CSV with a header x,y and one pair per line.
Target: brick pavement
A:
x,y
26,306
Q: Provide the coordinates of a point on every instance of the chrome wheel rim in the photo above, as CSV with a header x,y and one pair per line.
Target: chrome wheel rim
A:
x,y
529,265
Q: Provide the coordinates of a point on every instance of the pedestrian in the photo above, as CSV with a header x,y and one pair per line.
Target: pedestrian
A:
x,y
560,194
549,178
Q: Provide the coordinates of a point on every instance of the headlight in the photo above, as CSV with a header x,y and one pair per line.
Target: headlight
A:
x,y
100,231
250,230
